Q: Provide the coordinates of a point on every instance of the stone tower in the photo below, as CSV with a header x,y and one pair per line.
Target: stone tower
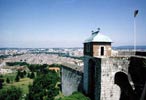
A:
x,y
105,77
97,46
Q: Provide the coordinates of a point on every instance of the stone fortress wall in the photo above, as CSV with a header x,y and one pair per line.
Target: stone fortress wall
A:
x,y
104,86
130,53
109,67
71,78
105,69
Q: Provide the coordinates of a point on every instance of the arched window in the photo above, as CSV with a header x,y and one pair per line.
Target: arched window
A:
x,y
102,51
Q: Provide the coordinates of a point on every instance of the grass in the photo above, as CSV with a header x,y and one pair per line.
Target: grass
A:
x,y
23,84
60,95
74,96
11,76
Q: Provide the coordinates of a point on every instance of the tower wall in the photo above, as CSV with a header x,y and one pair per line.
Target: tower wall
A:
x,y
85,77
94,49
109,67
105,70
97,50
95,73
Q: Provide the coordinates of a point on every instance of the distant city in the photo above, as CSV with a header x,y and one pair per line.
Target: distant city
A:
x,y
51,55
40,56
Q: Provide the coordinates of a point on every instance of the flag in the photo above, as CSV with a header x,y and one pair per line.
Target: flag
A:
x,y
135,13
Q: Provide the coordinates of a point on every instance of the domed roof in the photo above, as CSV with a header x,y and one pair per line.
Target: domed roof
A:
x,y
97,37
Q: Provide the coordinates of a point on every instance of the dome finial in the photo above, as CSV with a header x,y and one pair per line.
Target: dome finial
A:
x,y
96,32
98,29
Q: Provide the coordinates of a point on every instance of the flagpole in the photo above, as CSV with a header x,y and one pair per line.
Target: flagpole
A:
x,y
135,34
135,14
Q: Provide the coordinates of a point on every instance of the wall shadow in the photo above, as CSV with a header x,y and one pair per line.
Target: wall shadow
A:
x,y
127,93
137,71
91,79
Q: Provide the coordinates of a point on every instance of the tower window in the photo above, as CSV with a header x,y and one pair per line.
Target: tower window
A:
x,y
102,51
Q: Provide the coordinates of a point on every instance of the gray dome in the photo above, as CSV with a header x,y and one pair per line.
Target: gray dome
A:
x,y
97,37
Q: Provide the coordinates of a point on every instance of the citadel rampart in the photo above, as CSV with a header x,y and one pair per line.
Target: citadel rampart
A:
x,y
106,78
131,53
71,78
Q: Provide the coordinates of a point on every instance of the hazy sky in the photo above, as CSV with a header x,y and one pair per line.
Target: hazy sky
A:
x,y
67,23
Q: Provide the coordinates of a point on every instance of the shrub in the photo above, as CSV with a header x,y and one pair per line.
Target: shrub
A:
x,y
11,93
8,80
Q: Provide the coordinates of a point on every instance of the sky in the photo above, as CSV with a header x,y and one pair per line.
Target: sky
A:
x,y
67,23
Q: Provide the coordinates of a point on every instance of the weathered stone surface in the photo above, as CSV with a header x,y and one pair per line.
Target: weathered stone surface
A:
x,y
105,69
71,80
109,67
100,81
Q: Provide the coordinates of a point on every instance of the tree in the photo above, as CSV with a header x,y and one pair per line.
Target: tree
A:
x,y
24,72
32,75
8,80
18,72
17,78
44,87
1,76
43,68
11,93
21,75
28,75
33,67
1,83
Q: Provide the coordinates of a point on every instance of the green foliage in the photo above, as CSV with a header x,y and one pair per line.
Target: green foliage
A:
x,y
33,67
11,76
17,78
3,56
16,63
28,75
1,76
12,93
23,84
38,68
44,84
8,80
21,75
55,65
32,75
17,54
75,96
44,87
1,83
18,73
24,73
